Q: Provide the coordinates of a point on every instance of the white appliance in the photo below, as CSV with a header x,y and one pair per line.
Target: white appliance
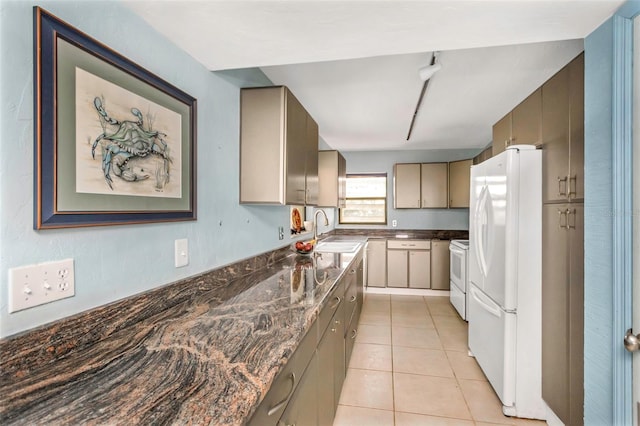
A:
x,y
504,310
458,275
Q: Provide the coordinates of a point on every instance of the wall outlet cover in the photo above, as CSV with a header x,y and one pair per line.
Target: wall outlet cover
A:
x,y
41,283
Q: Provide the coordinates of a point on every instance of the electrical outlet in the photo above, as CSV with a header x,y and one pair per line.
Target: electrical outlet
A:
x,y
394,223
281,232
41,283
181,252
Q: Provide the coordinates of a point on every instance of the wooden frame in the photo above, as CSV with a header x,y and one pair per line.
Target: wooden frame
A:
x,y
114,144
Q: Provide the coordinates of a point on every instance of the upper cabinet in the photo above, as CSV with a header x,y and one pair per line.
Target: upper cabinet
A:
x,y
406,186
332,179
459,178
278,148
522,126
563,134
420,185
434,185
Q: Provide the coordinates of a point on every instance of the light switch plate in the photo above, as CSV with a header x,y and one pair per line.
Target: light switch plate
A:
x,y
41,283
182,252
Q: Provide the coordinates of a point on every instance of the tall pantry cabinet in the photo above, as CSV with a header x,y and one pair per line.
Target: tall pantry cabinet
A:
x,y
563,242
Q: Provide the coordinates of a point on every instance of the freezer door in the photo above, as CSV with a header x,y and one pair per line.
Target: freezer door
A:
x,y
492,340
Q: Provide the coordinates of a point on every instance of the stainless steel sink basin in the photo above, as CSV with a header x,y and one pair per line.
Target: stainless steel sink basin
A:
x,y
337,246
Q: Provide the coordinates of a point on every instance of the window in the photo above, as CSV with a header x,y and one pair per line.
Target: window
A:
x,y
366,201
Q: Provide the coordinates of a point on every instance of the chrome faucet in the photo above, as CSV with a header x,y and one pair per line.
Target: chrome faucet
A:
x,y
315,222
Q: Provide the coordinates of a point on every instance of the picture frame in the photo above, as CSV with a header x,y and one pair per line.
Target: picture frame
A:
x,y
114,144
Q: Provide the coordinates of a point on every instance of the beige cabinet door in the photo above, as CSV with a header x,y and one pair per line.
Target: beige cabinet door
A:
x,y
555,309
526,121
332,179
311,163
575,222
576,148
406,186
434,185
420,269
440,264
296,147
302,408
459,179
377,263
397,268
555,137
501,134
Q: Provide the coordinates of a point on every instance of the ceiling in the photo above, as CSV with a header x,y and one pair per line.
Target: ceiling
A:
x,y
354,64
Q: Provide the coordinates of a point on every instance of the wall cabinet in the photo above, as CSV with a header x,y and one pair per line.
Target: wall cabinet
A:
x,y
521,126
563,134
406,186
459,180
409,263
332,179
377,263
434,185
420,185
440,264
278,148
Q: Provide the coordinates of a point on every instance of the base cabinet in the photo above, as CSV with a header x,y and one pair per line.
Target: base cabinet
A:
x,y
302,408
409,263
377,263
563,307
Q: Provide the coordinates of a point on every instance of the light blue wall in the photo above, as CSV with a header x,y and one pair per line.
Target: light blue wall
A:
x,y
598,267
607,282
383,161
115,262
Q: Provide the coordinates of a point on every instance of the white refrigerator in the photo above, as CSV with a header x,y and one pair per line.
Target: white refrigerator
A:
x,y
504,311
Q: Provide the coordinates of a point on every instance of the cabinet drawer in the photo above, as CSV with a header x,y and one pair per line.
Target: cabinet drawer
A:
x,y
282,388
336,298
409,244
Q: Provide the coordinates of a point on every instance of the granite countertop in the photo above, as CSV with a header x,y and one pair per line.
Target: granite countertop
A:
x,y
205,360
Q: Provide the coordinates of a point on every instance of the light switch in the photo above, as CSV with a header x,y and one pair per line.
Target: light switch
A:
x,y
41,283
182,252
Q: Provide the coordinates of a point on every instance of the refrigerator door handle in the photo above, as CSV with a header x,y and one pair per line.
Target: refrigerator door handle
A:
x,y
493,309
481,223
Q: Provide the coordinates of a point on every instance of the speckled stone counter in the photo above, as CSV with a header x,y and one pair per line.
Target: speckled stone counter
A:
x,y
201,351
426,234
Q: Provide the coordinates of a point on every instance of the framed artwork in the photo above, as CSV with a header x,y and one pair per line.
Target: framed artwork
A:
x,y
114,143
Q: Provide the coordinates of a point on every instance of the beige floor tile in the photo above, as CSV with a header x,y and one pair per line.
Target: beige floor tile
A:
x,y
377,297
406,298
415,337
449,321
375,318
454,338
368,388
441,308
379,334
377,306
435,396
411,419
416,320
352,416
427,362
513,421
465,366
370,356
484,404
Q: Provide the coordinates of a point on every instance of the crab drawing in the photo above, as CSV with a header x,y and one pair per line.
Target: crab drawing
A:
x,y
130,141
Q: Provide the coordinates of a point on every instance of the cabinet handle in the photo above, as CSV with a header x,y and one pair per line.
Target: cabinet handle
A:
x,y
353,299
560,191
506,143
354,333
569,213
562,213
353,271
573,178
282,403
338,300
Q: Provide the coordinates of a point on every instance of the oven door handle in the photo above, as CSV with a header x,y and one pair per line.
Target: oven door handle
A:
x,y
456,251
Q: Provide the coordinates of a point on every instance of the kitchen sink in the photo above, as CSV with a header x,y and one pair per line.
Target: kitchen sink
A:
x,y
337,246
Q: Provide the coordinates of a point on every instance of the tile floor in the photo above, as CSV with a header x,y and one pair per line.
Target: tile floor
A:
x,y
410,367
